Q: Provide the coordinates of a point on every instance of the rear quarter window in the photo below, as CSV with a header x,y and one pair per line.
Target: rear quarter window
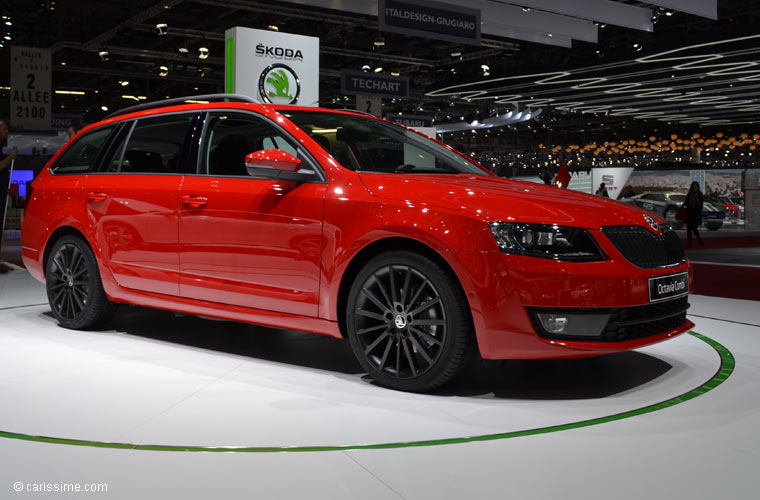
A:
x,y
80,156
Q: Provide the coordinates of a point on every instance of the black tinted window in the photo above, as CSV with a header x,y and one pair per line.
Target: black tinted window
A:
x,y
154,146
232,136
80,156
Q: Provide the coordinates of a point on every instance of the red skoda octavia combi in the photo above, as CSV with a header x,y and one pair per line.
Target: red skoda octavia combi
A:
x,y
346,225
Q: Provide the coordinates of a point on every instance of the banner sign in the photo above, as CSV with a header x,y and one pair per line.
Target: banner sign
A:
x,y
369,104
273,67
614,179
429,19
31,87
360,83
413,121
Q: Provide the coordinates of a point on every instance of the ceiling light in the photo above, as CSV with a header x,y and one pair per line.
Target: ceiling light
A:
x,y
7,36
163,71
456,53
162,28
549,35
637,47
395,73
63,63
203,53
123,83
366,67
379,41
183,51
273,27
378,69
669,13
526,9
8,23
104,108
201,72
104,55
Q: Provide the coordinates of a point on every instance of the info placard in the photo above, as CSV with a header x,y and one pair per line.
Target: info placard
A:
x,y
31,87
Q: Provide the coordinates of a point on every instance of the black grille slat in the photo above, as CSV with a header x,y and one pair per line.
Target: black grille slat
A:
x,y
625,323
644,249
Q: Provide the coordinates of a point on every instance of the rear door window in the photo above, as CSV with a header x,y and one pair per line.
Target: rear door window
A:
x,y
154,146
81,156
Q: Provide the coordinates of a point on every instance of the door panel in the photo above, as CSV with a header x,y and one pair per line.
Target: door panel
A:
x,y
133,202
135,218
252,242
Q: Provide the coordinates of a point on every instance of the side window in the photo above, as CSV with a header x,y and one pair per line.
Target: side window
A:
x,y
80,157
153,147
230,137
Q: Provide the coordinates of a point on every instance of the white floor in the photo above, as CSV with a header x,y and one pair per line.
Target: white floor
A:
x,y
154,378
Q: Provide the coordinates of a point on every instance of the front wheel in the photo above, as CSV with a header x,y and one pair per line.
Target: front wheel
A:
x,y
74,289
408,322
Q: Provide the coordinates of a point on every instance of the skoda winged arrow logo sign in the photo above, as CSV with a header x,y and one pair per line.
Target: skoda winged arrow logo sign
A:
x,y
279,84
652,223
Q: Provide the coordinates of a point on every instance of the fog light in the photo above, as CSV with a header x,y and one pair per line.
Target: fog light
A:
x,y
553,323
572,324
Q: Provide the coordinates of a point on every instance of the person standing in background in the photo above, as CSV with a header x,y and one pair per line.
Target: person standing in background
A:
x,y
5,179
693,204
602,191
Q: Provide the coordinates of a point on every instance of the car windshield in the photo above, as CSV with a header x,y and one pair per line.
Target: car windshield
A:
x,y
367,144
678,198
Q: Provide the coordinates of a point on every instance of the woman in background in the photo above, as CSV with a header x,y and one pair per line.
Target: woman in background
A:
x,y
693,204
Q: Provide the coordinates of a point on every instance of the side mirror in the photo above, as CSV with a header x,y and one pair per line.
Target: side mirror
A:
x,y
271,158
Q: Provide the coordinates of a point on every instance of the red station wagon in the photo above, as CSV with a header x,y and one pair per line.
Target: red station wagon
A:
x,y
346,225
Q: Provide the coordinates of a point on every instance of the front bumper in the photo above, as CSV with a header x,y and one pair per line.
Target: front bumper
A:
x,y
502,289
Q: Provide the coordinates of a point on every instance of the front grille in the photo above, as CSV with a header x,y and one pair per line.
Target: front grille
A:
x,y
644,249
625,323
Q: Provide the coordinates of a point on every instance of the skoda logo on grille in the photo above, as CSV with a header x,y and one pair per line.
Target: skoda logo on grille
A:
x,y
652,223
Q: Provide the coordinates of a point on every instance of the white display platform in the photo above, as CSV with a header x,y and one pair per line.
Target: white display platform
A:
x,y
155,378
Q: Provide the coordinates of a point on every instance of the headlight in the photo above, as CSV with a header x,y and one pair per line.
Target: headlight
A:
x,y
545,241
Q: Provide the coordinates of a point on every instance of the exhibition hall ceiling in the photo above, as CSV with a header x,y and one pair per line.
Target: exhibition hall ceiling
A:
x,y
683,61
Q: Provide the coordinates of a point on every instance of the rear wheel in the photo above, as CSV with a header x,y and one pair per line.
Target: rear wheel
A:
x,y
74,289
408,322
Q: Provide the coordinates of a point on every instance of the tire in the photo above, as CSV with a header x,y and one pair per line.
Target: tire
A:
x,y
74,289
408,322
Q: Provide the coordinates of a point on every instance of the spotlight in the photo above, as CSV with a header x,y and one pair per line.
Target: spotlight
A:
x,y
637,47
203,53
162,28
486,69
273,27
395,73
456,53
378,69
123,83
201,72
366,67
104,108
163,71
379,41
183,51
104,55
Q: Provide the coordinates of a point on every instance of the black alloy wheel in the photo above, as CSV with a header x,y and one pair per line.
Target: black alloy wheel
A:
x,y
408,322
74,289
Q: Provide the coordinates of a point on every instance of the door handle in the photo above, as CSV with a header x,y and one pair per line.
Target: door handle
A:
x,y
194,201
96,197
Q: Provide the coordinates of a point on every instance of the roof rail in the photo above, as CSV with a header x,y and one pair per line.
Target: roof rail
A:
x,y
356,111
185,100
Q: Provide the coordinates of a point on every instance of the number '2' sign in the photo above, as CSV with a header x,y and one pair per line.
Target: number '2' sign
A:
x,y
31,88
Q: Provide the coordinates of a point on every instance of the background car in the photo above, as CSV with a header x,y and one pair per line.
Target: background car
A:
x,y
666,204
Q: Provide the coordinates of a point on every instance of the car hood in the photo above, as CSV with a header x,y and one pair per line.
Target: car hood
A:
x,y
498,199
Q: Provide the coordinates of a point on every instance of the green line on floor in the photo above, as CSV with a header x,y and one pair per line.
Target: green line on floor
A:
x,y
727,365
